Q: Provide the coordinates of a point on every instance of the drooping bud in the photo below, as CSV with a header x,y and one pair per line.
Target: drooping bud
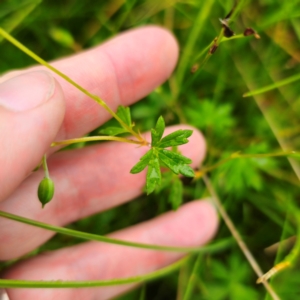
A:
x,y
46,191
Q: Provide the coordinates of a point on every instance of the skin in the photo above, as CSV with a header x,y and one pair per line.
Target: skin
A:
x,y
92,179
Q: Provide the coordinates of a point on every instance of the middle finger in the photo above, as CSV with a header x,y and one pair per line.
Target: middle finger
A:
x,y
87,180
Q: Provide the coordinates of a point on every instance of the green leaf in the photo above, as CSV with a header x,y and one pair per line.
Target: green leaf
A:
x,y
157,133
175,138
142,164
186,171
124,114
176,157
157,156
153,174
211,117
175,195
176,162
112,131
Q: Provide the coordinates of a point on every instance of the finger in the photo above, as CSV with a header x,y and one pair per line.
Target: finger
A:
x,y
31,112
87,180
121,71
193,224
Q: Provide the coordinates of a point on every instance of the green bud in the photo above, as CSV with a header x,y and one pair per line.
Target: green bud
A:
x,y
46,191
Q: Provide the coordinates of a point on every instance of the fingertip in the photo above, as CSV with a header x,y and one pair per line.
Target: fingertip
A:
x,y
147,55
205,219
31,118
193,224
168,45
197,146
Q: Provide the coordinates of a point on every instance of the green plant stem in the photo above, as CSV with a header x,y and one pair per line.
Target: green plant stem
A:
x,y
237,9
45,167
7,283
96,138
204,170
289,260
273,86
217,41
44,63
190,285
237,236
259,99
93,237
201,18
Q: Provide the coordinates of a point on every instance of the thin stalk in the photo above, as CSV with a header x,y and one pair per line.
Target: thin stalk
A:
x,y
65,77
273,86
204,12
93,237
45,167
204,170
143,292
8,283
259,100
216,42
237,236
190,285
97,138
288,261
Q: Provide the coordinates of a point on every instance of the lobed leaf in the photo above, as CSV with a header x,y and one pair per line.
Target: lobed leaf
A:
x,y
186,171
112,131
142,164
177,157
176,162
153,174
124,114
158,131
175,138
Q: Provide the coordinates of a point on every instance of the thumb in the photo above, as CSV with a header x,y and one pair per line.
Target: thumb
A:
x,y
32,109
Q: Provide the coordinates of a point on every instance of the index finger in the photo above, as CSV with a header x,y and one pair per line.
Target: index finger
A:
x,y
120,71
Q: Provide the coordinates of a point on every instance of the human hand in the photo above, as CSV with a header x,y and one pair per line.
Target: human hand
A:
x,y
35,110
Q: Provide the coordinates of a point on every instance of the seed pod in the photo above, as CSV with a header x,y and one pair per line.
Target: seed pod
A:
x,y
46,191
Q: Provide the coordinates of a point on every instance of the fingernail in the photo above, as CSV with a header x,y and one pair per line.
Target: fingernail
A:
x,y
27,91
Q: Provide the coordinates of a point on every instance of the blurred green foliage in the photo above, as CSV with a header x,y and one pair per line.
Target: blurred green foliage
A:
x,y
255,192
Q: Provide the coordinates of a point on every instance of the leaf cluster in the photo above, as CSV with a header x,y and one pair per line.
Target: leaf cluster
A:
x,y
124,114
158,156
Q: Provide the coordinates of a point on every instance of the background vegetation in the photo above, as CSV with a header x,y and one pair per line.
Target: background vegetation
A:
x,y
256,192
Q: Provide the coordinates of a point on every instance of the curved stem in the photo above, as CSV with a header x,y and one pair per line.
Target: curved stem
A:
x,y
99,138
93,237
65,77
8,283
204,170
289,260
237,236
45,167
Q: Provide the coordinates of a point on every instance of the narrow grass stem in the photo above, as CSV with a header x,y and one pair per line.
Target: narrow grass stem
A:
x,y
259,100
204,170
98,138
8,283
190,285
93,237
289,260
16,43
273,86
201,18
237,236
